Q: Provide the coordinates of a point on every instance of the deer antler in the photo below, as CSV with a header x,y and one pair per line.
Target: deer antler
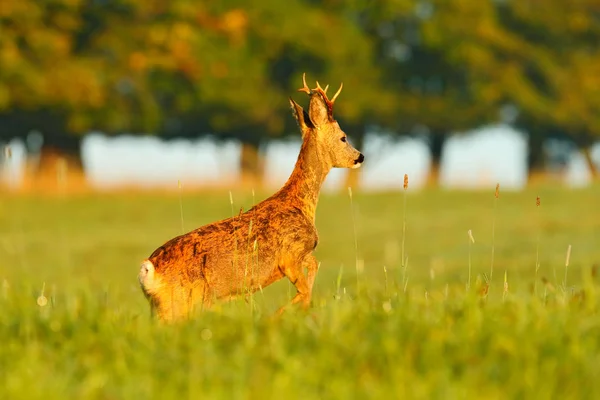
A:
x,y
322,92
305,89
336,93
321,89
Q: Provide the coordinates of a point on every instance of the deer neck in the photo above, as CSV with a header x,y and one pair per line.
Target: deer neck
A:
x,y
304,184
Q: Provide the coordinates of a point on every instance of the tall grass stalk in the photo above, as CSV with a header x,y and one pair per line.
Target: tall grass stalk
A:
x,y
567,266
42,300
7,168
18,233
356,260
404,260
62,170
247,282
386,280
537,245
471,241
338,282
235,248
496,195
505,290
180,205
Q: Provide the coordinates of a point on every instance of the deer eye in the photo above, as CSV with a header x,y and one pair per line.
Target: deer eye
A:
x,y
343,139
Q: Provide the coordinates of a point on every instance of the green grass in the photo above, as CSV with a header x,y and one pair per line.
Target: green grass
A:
x,y
94,337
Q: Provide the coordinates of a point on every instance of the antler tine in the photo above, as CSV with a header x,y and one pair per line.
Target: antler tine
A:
x,y
321,89
304,89
338,92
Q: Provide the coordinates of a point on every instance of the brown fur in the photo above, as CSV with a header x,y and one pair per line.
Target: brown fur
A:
x,y
275,238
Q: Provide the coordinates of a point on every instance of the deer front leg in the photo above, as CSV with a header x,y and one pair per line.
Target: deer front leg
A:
x,y
312,265
295,274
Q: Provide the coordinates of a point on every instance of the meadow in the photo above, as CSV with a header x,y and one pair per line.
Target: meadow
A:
x,y
393,312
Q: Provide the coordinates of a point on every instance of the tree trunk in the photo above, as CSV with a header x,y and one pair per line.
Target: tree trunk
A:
x,y
535,153
436,146
251,163
59,162
590,162
64,147
358,141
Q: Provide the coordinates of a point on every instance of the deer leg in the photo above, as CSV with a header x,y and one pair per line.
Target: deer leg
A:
x,y
312,265
296,275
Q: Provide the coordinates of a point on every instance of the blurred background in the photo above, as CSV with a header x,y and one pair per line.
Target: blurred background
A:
x,y
144,93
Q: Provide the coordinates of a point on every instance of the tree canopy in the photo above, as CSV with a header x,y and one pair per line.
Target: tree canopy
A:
x,y
187,68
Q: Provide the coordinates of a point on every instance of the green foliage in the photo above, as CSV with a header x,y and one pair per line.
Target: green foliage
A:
x,y
91,336
189,68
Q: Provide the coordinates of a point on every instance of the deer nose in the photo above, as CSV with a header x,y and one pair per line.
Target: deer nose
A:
x,y
360,159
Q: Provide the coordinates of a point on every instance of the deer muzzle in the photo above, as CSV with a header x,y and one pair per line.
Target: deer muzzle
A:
x,y
358,162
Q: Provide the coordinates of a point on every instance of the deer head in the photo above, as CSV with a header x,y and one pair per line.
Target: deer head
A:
x,y
320,128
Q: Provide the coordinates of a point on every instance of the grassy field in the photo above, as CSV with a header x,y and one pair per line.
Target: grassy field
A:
x,y
74,324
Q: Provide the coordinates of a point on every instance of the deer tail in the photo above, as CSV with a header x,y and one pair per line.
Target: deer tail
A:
x,y
147,277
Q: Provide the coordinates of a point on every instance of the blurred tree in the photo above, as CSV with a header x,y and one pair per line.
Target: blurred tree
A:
x,y
235,65
256,60
563,65
515,55
325,42
185,68
431,93
39,79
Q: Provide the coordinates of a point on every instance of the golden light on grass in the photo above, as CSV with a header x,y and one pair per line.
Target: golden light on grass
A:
x,y
387,306
405,181
206,334
5,287
42,300
497,193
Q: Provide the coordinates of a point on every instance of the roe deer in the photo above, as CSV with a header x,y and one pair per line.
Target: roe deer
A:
x,y
275,238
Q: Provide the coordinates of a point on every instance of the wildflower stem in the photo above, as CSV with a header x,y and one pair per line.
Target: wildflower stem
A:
x,y
404,264
537,246
496,195
567,266
355,241
471,241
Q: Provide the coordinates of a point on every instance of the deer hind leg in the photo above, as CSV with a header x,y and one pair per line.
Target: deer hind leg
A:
x,y
172,303
295,273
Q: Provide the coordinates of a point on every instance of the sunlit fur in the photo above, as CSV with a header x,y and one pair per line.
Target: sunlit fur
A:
x,y
276,238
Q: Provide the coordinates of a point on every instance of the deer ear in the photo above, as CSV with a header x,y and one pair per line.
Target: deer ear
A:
x,y
317,110
301,116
